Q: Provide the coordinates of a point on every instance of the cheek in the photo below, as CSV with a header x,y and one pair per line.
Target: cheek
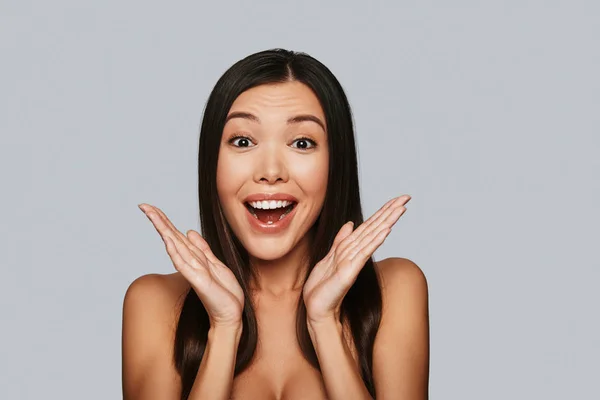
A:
x,y
312,176
230,177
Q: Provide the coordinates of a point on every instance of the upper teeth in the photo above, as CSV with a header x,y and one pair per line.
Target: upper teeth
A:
x,y
269,204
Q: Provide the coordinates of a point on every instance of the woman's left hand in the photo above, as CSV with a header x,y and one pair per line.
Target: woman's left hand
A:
x,y
333,276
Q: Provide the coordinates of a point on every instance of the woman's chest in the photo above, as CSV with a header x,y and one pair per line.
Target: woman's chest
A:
x,y
279,370
279,378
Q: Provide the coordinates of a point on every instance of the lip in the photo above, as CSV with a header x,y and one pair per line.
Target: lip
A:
x,y
276,227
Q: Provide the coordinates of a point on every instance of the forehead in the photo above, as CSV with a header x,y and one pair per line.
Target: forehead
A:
x,y
278,100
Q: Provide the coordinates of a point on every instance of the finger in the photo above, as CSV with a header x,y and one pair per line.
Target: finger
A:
x,y
198,241
382,213
173,232
219,271
376,222
387,219
168,223
179,262
182,248
160,222
167,228
343,233
215,265
198,251
198,277
160,226
385,223
383,210
369,225
360,257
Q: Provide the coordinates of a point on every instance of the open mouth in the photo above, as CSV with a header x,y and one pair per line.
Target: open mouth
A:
x,y
270,212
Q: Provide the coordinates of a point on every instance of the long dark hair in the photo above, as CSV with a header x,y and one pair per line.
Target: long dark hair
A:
x,y
362,305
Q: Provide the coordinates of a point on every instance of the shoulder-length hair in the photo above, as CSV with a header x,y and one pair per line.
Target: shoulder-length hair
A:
x,y
362,305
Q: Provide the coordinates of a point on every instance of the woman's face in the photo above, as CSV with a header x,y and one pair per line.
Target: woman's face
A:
x,y
281,148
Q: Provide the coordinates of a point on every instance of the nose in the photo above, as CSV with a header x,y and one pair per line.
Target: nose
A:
x,y
271,167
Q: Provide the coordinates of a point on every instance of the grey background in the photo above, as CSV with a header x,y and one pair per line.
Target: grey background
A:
x,y
487,113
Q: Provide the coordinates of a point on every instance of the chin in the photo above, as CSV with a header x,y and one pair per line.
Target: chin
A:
x,y
267,248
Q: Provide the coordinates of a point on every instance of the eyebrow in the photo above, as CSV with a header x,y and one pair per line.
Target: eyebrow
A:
x,y
293,120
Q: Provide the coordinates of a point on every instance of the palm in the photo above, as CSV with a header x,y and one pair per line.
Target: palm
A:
x,y
217,288
333,276
322,288
214,283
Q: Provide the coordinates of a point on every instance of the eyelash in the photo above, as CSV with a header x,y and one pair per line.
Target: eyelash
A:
x,y
237,136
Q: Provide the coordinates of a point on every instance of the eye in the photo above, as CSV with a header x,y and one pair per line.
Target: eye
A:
x,y
304,141
244,141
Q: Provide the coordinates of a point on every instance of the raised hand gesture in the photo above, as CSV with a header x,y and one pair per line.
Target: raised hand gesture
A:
x,y
214,283
333,276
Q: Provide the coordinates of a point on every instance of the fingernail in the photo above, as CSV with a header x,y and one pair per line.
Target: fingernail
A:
x,y
141,208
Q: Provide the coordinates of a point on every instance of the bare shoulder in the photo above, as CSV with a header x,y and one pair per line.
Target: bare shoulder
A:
x,y
167,284
159,296
404,288
401,349
396,271
150,312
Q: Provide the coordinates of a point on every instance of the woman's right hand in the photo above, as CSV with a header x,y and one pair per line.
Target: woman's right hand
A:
x,y
214,283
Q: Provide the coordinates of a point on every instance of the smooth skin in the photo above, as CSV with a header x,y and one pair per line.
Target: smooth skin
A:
x,y
401,352
213,282
275,141
275,158
329,281
333,276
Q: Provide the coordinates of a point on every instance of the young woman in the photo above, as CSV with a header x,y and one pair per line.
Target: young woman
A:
x,y
280,298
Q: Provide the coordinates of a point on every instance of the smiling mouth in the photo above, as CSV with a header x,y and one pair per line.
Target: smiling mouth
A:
x,y
270,216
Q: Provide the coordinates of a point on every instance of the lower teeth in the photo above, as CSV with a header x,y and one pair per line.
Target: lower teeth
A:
x,y
284,214
280,218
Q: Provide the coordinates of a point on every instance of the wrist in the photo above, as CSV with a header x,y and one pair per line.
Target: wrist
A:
x,y
325,335
323,322
233,330
321,327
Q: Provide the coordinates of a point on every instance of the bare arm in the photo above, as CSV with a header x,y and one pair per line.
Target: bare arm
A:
x,y
215,376
149,318
401,350
341,376
148,335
